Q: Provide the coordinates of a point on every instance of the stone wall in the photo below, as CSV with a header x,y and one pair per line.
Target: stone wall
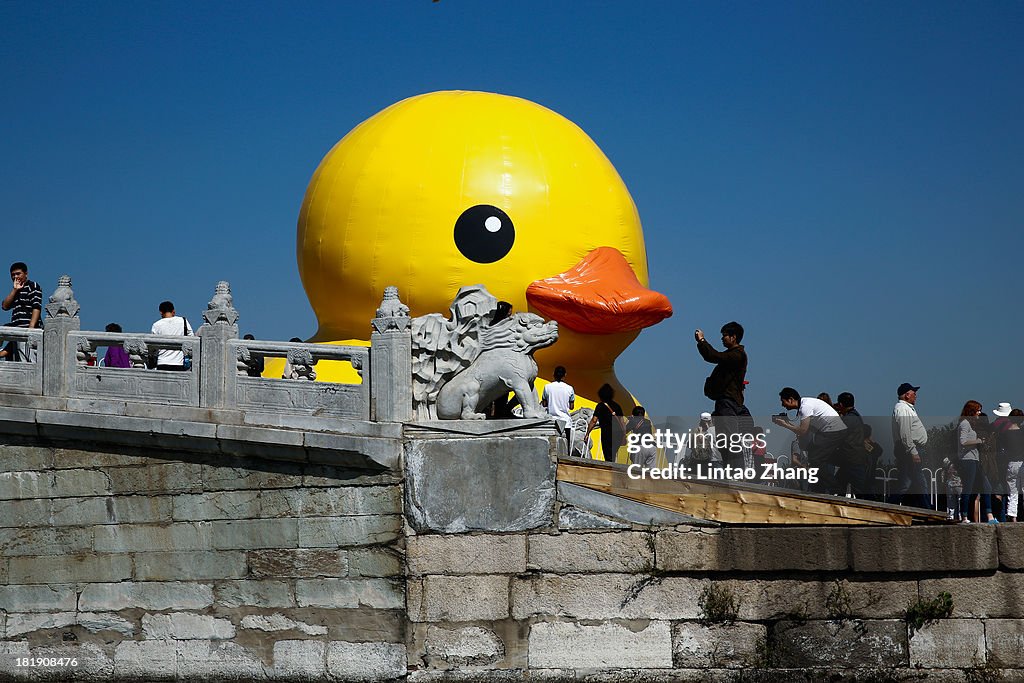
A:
x,y
811,603
196,564
151,566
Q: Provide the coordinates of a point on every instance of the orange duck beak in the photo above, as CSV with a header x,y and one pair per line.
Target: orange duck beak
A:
x,y
599,295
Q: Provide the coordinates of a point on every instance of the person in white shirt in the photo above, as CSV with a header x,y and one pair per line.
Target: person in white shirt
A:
x,y
559,398
821,431
908,438
703,444
171,325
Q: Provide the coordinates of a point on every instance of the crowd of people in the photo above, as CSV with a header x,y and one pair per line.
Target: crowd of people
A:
x,y
981,472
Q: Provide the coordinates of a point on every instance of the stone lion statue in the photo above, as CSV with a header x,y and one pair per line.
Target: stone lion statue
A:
x,y
505,363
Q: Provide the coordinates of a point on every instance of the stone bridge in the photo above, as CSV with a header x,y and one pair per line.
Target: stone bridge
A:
x,y
208,526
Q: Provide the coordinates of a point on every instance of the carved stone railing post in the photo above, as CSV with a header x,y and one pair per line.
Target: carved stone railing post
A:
x,y
59,361
217,361
391,361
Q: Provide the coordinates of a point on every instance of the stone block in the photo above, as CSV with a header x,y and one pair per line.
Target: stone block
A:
x,y
839,644
96,622
199,660
298,562
350,593
45,540
71,458
254,594
132,538
82,511
93,664
176,477
108,510
966,547
714,646
278,622
78,483
327,476
255,533
335,532
374,562
251,474
29,569
25,485
186,626
948,644
49,598
113,597
753,550
366,661
496,484
999,595
1004,643
142,509
1011,545
149,660
766,599
459,598
19,458
606,596
567,645
303,660
332,502
217,505
190,566
574,519
614,507
567,553
458,648
466,554
20,624
24,513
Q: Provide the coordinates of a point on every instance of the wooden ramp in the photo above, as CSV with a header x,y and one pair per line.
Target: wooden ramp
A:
x,y
739,503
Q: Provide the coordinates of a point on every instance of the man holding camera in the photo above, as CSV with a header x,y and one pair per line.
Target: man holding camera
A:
x,y
821,432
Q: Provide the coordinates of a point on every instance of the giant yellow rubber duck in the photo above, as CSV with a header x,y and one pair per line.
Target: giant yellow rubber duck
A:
x,y
457,188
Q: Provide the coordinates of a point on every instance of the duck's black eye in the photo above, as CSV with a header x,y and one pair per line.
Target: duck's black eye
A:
x,y
484,233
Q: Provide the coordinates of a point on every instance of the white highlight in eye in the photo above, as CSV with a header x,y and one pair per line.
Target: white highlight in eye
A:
x,y
493,224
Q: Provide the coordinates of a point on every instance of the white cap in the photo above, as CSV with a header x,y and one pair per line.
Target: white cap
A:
x,y
705,416
1002,410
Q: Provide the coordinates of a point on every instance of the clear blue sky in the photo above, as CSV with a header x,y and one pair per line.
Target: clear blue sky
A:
x,y
845,179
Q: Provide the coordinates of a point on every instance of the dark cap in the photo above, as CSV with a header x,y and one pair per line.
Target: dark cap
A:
x,y
905,387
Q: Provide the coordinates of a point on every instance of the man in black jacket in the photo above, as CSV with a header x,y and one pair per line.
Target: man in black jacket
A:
x,y
725,387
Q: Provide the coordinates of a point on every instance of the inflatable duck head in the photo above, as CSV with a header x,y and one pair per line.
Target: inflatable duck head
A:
x,y
458,188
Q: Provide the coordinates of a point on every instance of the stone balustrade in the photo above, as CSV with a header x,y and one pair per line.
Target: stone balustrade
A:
x,y
68,367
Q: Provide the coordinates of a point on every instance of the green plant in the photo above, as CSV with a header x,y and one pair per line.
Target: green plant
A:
x,y
924,612
718,605
838,603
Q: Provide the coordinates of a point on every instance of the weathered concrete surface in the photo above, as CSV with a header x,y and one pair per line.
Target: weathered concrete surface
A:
x,y
754,550
589,500
496,484
949,644
620,551
847,644
472,554
455,648
897,549
568,645
731,646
